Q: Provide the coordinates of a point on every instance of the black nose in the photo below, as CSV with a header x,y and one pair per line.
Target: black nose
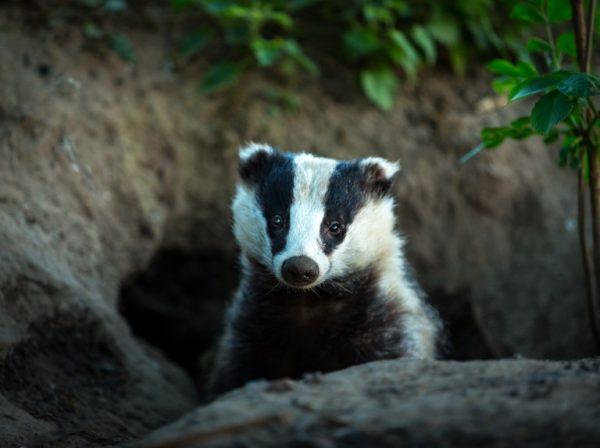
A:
x,y
299,271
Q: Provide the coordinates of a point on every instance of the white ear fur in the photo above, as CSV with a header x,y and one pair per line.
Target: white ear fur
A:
x,y
251,149
389,168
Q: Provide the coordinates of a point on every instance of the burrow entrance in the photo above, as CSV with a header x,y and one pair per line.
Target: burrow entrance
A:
x,y
464,340
177,305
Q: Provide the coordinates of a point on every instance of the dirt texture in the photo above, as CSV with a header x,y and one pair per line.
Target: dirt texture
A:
x,y
105,165
510,403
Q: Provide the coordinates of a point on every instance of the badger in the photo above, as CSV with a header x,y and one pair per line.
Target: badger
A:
x,y
324,281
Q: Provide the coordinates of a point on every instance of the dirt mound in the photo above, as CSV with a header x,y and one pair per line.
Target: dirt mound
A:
x,y
67,372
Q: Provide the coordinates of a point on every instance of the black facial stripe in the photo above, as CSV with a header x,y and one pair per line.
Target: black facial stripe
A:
x,y
346,194
275,189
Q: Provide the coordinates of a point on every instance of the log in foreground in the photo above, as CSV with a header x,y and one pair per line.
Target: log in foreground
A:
x,y
405,403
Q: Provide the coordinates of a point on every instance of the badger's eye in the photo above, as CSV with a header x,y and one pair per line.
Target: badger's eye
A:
x,y
334,228
277,221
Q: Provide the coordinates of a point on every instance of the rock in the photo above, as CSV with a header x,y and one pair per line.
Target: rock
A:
x,y
509,403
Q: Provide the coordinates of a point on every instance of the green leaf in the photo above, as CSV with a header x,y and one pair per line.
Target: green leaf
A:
x,y
551,136
549,110
220,75
503,67
578,85
234,11
282,19
292,48
404,53
527,13
360,42
520,128
537,84
535,44
493,137
399,39
266,51
504,85
422,37
526,69
374,13
379,86
194,42
121,45
444,29
566,44
559,10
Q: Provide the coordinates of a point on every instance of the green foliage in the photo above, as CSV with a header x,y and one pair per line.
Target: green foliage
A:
x,y
380,86
527,12
220,75
578,85
519,129
564,108
256,34
566,44
383,41
93,17
536,84
549,110
194,42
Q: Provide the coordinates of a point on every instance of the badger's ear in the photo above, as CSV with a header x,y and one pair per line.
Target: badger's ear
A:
x,y
379,174
253,160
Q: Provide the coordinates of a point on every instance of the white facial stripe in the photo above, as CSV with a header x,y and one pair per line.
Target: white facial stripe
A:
x,y
249,225
311,180
370,238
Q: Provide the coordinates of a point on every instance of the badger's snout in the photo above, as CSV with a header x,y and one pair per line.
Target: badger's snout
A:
x,y
299,271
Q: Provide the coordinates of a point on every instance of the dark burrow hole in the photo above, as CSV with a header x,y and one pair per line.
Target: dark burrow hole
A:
x,y
177,305
463,339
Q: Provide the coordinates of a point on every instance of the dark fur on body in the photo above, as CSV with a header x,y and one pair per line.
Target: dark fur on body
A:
x,y
285,332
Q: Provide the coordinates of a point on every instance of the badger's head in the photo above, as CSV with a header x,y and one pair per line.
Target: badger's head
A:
x,y
311,219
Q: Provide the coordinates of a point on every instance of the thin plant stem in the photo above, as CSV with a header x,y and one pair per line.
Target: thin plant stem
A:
x,y
550,36
587,271
590,36
583,33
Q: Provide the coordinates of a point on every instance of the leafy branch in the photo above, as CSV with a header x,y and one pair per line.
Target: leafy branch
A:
x,y
563,111
383,41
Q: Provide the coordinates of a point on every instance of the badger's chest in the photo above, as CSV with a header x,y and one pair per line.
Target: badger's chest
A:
x,y
292,333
